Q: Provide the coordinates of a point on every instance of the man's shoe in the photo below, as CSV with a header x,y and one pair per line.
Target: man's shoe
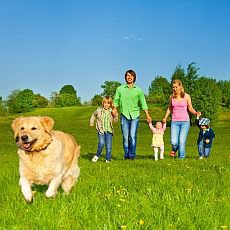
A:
x,y
95,158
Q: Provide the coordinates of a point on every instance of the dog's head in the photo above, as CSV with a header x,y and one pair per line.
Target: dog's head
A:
x,y
32,133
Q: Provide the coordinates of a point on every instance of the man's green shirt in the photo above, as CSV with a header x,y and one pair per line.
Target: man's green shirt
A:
x,y
130,101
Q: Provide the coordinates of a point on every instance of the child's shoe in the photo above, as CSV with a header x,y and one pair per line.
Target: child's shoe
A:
x,y
107,161
200,158
172,154
95,158
162,158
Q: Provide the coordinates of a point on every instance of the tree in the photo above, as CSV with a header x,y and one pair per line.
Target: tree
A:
x,y
22,101
41,101
179,74
191,76
11,100
96,100
67,99
206,97
159,90
110,88
3,107
225,89
68,89
54,99
67,96
188,79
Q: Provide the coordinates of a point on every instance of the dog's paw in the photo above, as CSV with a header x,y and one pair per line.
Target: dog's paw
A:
x,y
28,198
51,194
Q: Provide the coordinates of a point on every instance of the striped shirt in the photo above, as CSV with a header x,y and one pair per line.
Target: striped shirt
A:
x,y
106,121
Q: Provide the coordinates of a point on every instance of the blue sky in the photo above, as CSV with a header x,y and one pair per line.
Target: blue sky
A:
x,y
46,44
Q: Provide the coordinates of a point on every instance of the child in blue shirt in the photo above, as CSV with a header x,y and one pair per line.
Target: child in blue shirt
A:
x,y
205,138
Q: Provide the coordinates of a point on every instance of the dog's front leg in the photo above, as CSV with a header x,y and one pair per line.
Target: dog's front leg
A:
x,y
53,186
26,189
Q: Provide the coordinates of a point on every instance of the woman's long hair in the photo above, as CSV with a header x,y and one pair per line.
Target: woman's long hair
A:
x,y
181,87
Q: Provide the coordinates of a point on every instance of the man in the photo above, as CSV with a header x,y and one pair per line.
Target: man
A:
x,y
130,99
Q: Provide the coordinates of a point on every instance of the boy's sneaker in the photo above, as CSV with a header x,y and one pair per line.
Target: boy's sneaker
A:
x,y
200,158
107,161
172,154
95,158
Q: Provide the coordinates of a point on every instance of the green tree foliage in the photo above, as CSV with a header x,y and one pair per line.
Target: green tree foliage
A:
x,y
68,89
225,89
159,91
11,100
206,97
41,101
110,88
179,73
96,100
3,107
187,78
67,97
53,99
21,101
191,76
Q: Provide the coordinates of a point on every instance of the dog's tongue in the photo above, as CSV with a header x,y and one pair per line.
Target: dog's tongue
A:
x,y
26,145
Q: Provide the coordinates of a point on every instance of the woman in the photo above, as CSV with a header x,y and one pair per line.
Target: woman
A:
x,y
130,98
179,105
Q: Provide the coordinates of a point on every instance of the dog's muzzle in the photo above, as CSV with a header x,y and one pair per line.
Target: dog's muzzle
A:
x,y
24,143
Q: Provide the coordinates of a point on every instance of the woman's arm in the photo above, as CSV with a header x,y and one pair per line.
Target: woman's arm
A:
x,y
190,108
168,111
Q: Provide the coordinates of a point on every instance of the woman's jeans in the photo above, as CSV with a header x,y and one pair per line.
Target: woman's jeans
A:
x,y
179,133
105,139
129,132
203,152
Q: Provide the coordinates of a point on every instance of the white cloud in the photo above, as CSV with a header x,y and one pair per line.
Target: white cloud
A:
x,y
132,37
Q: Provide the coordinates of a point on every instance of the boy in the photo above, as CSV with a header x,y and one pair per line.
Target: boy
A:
x,y
205,138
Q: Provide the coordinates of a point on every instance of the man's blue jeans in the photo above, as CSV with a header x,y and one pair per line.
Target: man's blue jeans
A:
x,y
179,133
129,132
105,139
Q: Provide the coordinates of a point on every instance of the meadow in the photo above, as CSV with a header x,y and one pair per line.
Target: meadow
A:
x,y
141,194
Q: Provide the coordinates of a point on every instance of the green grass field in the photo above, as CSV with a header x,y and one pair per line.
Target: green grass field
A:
x,y
140,194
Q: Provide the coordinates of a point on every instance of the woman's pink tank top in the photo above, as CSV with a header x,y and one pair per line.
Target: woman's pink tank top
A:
x,y
180,110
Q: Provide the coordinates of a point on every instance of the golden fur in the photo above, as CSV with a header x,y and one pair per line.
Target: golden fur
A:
x,y
45,156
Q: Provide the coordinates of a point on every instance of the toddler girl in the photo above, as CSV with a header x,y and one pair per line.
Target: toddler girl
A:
x,y
157,139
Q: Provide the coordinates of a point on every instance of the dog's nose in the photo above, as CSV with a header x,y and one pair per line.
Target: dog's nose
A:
x,y
24,138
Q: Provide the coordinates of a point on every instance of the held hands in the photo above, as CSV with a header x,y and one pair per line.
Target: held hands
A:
x,y
198,114
149,119
207,141
164,120
114,112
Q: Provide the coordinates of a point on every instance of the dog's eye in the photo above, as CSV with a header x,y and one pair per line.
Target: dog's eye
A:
x,y
33,128
22,128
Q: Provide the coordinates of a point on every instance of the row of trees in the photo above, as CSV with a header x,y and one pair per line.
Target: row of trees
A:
x,y
20,101
208,95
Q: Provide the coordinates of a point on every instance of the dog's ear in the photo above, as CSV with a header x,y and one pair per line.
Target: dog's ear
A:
x,y
15,123
14,126
47,123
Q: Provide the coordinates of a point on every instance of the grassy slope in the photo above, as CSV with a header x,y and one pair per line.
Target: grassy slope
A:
x,y
141,194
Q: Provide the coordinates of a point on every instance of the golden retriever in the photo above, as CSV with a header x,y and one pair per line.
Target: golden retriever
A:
x,y
45,156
